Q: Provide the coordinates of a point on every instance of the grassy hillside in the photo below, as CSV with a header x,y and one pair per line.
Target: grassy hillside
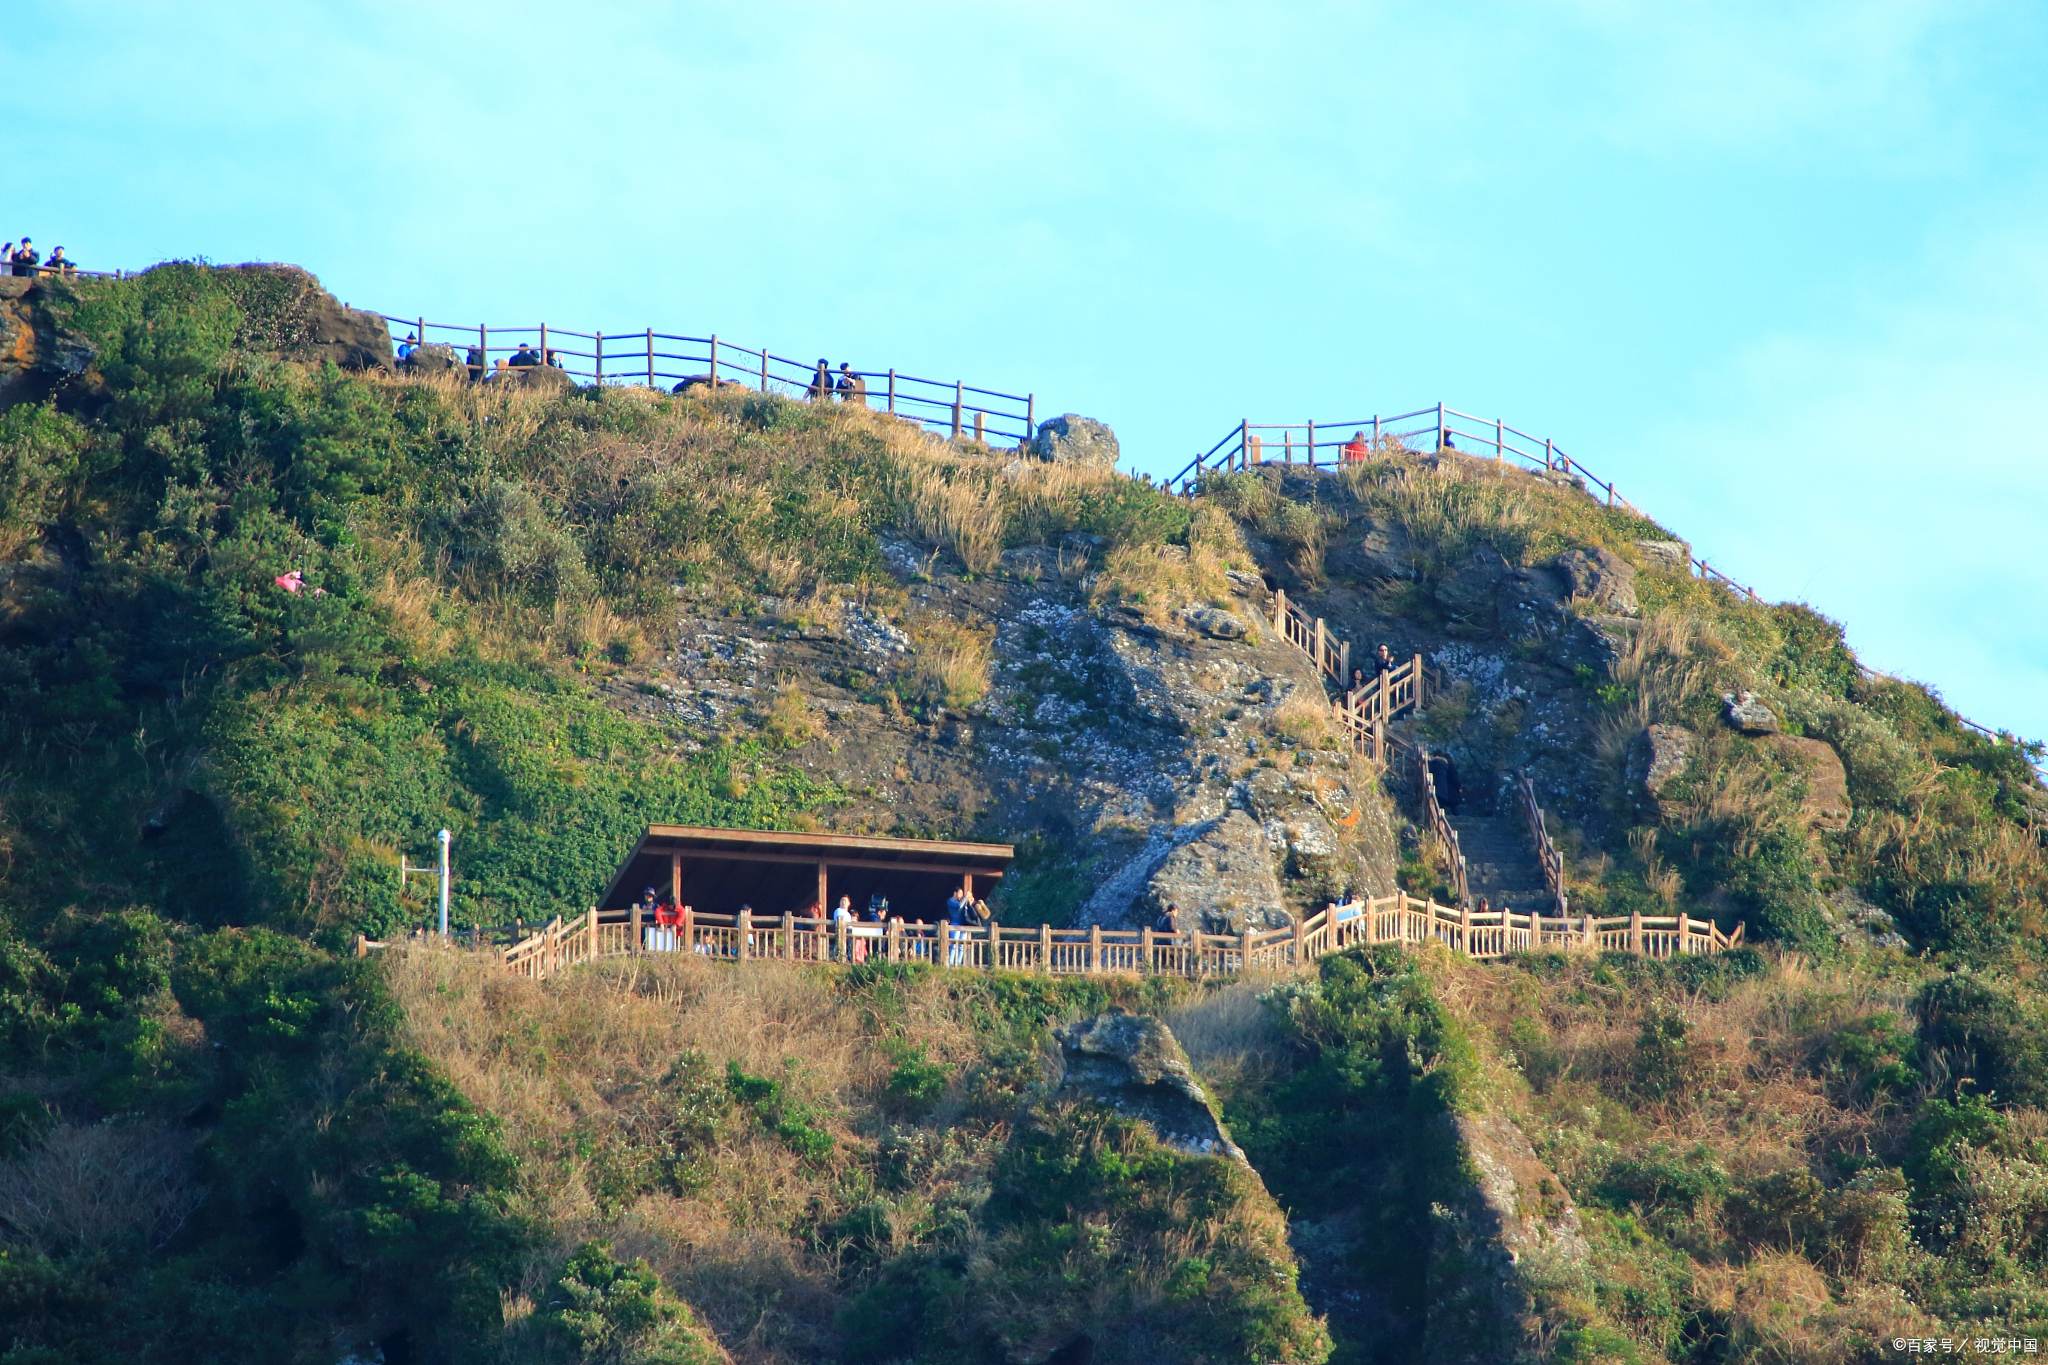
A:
x,y
223,1138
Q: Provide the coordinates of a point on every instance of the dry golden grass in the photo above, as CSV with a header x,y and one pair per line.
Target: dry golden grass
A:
x,y
1229,1036
950,660
562,1062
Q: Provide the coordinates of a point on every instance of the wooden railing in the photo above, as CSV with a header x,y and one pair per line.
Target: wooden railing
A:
x,y
1361,712
1547,852
1399,918
665,358
1334,444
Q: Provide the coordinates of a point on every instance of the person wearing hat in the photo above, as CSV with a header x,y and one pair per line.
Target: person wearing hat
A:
x,y
24,260
405,348
61,263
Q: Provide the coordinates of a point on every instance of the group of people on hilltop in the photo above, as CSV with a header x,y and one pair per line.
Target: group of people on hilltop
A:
x,y
478,362
24,259
846,386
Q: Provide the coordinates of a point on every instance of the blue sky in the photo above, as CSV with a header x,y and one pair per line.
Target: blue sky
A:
x,y
1781,272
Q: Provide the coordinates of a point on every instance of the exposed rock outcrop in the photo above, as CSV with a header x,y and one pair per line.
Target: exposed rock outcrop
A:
x,y
435,358
1602,577
1224,879
1667,554
37,353
1074,439
1747,715
1133,1064
1658,760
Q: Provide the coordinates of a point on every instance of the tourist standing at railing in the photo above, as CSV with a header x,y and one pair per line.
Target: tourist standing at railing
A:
x,y
959,910
60,264
407,347
852,388
1354,450
842,927
1168,922
821,382
477,362
25,258
524,357
7,257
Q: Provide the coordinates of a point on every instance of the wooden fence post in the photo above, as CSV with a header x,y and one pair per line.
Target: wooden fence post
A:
x,y
895,938
980,433
839,932
1311,445
764,369
714,362
1441,432
892,391
740,920
1045,948
362,945
686,932
1322,640
788,936
650,357
1592,935
599,348
1300,944
638,938
1244,950
1144,938
1344,668
1635,931
959,387
1094,948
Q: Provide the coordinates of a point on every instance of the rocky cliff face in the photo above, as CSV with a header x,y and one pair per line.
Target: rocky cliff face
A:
x,y
1180,763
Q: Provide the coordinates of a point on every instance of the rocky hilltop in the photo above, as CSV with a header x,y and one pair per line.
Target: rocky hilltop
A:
x,y
272,611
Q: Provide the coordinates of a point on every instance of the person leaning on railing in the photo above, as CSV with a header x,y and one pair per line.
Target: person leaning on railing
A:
x,y
23,260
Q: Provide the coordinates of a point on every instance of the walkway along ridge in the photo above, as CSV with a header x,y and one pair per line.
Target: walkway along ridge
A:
x,y
1399,918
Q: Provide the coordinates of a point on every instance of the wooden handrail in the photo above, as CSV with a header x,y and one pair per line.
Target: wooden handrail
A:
x,y
636,358
1547,852
1398,918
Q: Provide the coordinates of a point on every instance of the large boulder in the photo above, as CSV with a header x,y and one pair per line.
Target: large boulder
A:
x,y
1601,576
1667,554
1133,1064
435,357
350,337
1074,439
1223,881
1658,760
1746,715
1826,803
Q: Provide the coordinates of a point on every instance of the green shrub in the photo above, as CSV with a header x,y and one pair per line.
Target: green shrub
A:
x,y
1990,1034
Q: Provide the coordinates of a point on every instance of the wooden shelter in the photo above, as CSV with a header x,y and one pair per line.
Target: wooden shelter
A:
x,y
775,872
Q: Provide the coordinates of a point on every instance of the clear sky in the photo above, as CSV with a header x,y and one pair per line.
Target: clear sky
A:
x,y
1780,271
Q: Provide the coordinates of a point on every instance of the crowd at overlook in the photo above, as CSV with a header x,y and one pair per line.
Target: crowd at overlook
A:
x,y
23,258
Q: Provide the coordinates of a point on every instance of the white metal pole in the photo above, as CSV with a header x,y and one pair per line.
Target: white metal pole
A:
x,y
444,883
